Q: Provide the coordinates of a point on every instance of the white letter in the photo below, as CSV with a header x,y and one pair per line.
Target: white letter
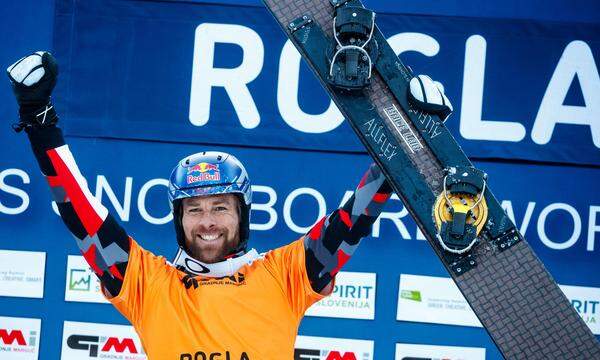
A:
x,y
395,217
14,191
508,209
205,76
347,195
576,60
287,206
593,228
472,126
411,41
268,208
576,226
123,210
141,202
418,42
287,97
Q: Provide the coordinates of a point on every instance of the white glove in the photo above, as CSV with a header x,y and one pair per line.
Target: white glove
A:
x,y
33,78
429,96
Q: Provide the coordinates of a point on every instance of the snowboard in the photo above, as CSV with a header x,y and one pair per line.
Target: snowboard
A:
x,y
513,295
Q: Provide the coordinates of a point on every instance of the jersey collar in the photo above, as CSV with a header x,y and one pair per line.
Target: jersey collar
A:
x,y
188,264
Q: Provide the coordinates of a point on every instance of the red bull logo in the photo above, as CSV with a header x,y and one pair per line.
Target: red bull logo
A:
x,y
203,172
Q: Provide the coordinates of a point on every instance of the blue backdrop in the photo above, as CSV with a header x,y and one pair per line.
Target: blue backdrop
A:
x,y
125,97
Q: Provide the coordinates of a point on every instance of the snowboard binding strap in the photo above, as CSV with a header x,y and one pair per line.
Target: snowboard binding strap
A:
x,y
354,51
460,211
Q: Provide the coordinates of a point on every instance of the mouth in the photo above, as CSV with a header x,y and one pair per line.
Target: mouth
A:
x,y
209,237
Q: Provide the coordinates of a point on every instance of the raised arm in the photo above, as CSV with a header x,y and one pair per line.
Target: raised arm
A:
x,y
102,241
333,240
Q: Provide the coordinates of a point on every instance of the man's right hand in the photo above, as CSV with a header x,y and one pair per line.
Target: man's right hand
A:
x,y
33,78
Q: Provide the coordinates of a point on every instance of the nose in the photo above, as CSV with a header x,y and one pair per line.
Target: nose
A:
x,y
206,221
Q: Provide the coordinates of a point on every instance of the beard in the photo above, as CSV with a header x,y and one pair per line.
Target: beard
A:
x,y
210,252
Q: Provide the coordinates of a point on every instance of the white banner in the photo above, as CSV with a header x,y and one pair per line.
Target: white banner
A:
x,y
586,301
322,348
82,284
437,300
433,300
353,297
19,338
435,352
93,341
22,273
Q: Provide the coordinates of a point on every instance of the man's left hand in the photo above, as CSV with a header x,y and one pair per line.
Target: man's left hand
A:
x,y
429,96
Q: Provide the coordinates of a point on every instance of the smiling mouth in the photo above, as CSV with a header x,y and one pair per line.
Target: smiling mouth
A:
x,y
209,237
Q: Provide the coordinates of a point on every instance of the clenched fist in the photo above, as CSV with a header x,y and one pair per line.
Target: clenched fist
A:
x,y
33,78
429,96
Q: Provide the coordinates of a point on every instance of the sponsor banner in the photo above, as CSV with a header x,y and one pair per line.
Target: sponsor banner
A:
x,y
438,300
433,300
22,273
231,77
19,338
322,348
435,352
586,301
353,297
82,284
92,341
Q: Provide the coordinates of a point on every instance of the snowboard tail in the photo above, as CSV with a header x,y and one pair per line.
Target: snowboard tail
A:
x,y
506,285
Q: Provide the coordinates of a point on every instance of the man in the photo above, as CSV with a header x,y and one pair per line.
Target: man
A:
x,y
217,299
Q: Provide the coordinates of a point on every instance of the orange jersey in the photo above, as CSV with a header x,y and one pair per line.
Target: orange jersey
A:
x,y
252,315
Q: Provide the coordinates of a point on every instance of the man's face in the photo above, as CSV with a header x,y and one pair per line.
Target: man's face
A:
x,y
211,226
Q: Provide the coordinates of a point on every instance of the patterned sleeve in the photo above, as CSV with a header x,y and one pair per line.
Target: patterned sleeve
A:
x,y
102,241
333,240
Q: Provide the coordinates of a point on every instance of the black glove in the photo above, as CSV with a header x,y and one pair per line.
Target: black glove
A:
x,y
33,78
429,96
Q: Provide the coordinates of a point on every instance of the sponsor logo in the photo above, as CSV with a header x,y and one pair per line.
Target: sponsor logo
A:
x,y
103,341
195,281
310,354
434,352
19,338
79,280
82,284
16,337
196,266
96,344
320,348
353,297
433,300
411,295
203,172
383,140
586,301
201,355
22,273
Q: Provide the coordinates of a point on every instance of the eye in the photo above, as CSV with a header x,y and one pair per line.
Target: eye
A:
x,y
221,208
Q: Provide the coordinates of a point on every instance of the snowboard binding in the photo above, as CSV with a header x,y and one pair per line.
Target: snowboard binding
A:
x,y
460,211
353,53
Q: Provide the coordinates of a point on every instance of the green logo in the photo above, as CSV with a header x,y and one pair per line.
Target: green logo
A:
x,y
79,280
411,295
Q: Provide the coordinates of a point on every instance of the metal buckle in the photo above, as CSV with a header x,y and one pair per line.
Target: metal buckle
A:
x,y
355,53
469,186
